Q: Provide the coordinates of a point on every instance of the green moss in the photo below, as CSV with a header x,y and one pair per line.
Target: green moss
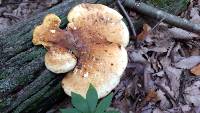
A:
x,y
171,6
44,96
50,97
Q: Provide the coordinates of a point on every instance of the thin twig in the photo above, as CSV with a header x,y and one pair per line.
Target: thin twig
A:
x,y
127,18
157,24
159,14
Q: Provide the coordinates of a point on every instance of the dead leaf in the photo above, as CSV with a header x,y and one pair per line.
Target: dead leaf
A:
x,y
144,33
159,74
192,94
194,14
174,75
188,63
147,109
157,110
196,70
175,53
158,49
151,96
186,108
164,102
165,62
148,82
180,109
136,56
197,109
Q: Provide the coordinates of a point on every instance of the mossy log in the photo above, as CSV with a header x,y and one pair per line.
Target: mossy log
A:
x,y
171,6
26,86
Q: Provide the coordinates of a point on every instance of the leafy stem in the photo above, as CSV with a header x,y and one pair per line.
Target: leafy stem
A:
x,y
90,103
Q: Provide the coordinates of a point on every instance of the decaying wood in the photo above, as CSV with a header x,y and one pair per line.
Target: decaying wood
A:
x,y
25,84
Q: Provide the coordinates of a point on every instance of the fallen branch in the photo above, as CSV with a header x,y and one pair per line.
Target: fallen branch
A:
x,y
159,14
132,29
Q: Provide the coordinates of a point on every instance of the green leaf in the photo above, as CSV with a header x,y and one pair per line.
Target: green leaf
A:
x,y
92,98
104,104
70,110
80,103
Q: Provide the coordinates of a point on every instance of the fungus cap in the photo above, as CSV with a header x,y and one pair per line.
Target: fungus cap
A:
x,y
103,69
47,31
102,19
106,37
58,59
97,36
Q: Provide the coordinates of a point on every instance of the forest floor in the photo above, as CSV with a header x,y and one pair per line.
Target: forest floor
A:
x,y
12,11
163,73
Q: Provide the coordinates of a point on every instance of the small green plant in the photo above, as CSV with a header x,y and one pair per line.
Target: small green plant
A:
x,y
90,104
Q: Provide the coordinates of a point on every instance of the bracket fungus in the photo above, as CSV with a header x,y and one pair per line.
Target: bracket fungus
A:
x,y
92,49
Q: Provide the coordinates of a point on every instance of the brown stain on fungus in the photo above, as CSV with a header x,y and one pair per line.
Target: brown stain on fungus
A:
x,y
97,36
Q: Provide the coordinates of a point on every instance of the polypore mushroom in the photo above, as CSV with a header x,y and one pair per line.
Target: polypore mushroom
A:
x,y
58,59
97,36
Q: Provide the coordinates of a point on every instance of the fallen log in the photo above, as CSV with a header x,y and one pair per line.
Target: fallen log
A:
x,y
25,84
157,14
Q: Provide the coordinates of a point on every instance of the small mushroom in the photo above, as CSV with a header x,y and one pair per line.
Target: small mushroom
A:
x,y
58,59
97,37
